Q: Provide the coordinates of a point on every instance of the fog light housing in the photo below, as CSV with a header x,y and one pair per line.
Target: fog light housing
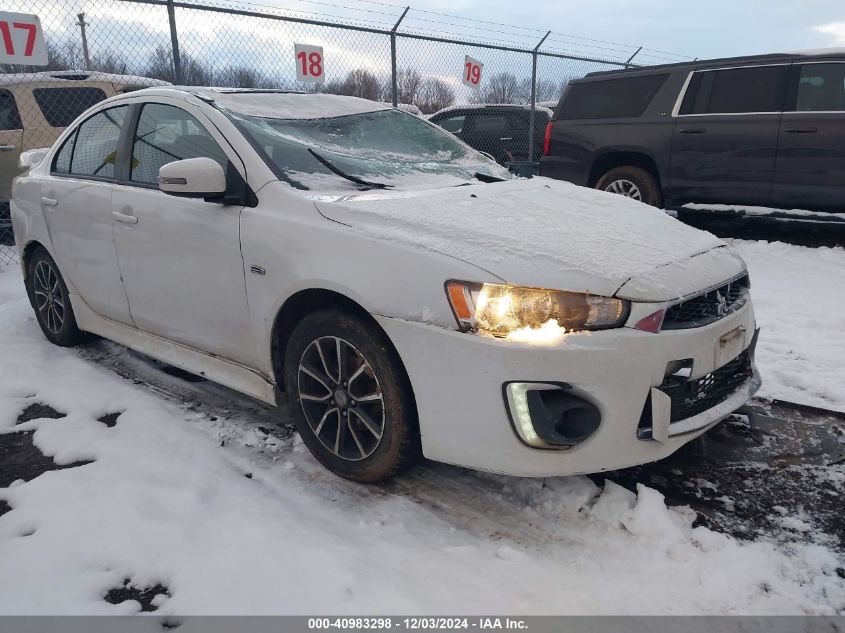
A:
x,y
548,415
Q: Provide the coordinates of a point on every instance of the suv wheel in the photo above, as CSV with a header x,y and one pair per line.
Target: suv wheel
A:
x,y
350,397
49,297
632,182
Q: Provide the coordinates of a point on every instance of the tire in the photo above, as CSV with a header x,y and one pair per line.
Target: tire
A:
x,y
50,300
359,422
632,182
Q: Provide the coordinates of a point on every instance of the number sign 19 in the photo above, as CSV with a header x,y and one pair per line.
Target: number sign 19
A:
x,y
472,72
21,40
309,62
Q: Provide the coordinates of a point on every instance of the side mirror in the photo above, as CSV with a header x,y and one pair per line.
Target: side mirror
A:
x,y
193,178
32,158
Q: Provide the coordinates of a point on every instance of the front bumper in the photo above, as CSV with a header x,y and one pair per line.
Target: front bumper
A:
x,y
458,384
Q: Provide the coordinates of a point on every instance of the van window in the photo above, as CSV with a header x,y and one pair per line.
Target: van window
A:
x,y
736,90
821,88
10,118
610,98
95,150
61,106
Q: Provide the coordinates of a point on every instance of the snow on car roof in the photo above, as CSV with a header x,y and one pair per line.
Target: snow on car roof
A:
x,y
285,105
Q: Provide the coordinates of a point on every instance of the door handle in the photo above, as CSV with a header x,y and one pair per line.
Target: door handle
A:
x,y
693,130
124,217
802,130
7,148
49,202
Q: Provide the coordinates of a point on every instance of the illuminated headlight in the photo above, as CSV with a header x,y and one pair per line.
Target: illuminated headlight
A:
x,y
501,310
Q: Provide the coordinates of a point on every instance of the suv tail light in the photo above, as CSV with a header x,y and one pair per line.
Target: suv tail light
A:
x,y
547,139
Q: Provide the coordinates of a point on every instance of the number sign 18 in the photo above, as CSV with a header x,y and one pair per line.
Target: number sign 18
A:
x,y
309,62
472,72
21,40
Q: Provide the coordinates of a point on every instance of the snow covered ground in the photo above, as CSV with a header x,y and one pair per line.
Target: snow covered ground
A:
x,y
800,305
215,500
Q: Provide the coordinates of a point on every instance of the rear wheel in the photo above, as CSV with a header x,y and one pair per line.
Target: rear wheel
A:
x,y
632,182
351,400
49,297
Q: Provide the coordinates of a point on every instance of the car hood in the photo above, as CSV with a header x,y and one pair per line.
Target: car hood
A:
x,y
545,233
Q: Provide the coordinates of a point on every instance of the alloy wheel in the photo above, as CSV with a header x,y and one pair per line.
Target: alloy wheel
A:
x,y
625,188
48,296
341,397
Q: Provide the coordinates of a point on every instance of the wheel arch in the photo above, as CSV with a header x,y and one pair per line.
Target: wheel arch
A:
x,y
26,255
305,302
608,160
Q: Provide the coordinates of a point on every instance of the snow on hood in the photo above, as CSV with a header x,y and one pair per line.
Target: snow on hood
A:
x,y
539,232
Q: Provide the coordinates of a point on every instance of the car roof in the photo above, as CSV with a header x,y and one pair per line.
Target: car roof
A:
x,y
278,104
768,58
490,106
78,76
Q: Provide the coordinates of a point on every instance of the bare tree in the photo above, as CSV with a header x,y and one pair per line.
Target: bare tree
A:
x,y
361,83
434,94
408,81
242,77
500,88
160,66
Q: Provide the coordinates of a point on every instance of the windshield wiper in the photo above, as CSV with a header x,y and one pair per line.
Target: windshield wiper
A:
x,y
487,178
336,170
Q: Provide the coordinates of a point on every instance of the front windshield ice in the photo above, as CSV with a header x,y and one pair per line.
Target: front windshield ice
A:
x,y
388,147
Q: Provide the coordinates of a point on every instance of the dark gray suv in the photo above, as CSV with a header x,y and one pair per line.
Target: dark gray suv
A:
x,y
766,130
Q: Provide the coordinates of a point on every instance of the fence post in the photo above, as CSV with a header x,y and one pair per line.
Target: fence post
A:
x,y
531,130
394,80
628,63
174,43
86,59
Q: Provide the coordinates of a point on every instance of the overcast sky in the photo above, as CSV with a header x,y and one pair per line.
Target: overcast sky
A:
x,y
708,28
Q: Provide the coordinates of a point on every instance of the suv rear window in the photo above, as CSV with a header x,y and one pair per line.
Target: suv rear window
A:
x,y
60,106
610,98
736,90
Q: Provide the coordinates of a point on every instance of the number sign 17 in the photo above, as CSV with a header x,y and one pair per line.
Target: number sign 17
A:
x,y
472,72
309,62
21,39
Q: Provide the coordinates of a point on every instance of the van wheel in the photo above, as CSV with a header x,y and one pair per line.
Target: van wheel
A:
x,y
632,182
49,297
350,397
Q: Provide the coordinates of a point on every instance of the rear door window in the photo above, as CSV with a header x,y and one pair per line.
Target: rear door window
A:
x,y
736,90
821,88
10,118
95,150
611,98
61,106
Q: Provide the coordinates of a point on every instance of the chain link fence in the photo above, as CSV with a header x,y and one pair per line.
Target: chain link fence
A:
x,y
493,85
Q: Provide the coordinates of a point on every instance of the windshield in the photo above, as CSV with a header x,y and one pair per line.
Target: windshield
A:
x,y
388,147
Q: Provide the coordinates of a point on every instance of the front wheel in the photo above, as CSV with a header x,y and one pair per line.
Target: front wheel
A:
x,y
49,297
632,182
351,400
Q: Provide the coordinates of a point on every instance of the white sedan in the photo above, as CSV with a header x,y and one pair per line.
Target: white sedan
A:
x,y
404,293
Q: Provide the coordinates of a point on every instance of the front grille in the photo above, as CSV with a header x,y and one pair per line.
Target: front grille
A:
x,y
708,307
691,397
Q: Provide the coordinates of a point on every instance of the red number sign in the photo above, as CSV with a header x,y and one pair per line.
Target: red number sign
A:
x,y
309,62
472,72
21,39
